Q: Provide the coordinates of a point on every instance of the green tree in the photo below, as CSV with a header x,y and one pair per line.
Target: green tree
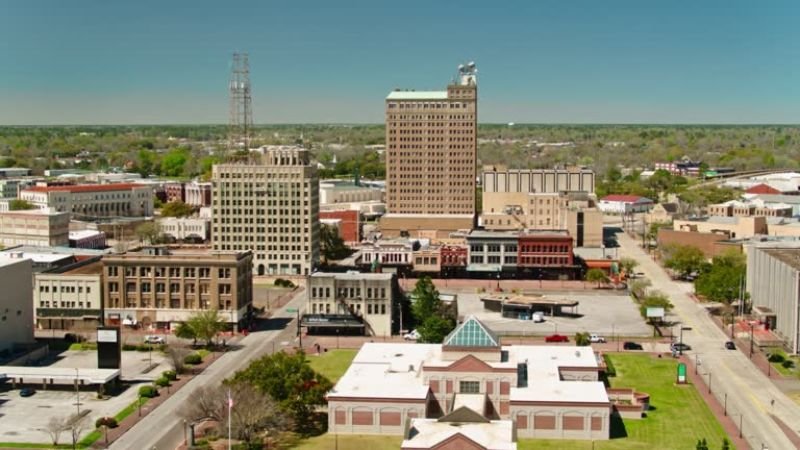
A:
x,y
20,205
146,163
654,299
597,276
176,209
289,380
184,331
331,244
702,444
684,259
720,281
174,162
434,322
582,339
149,232
726,444
204,325
627,265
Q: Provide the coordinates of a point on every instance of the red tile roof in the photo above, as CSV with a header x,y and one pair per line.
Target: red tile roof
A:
x,y
623,198
86,188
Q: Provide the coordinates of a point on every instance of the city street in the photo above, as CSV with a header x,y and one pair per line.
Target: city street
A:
x,y
750,397
163,428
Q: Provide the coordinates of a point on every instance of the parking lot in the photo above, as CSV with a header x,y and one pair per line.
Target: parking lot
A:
x,y
24,419
606,314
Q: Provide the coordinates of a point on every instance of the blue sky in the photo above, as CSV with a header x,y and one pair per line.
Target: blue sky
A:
x,y
147,61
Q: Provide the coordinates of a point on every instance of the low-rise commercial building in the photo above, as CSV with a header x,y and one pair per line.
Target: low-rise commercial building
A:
x,y
198,194
92,239
159,287
773,282
387,255
536,253
342,191
346,221
196,229
369,297
175,191
94,200
550,392
16,304
624,204
41,227
71,297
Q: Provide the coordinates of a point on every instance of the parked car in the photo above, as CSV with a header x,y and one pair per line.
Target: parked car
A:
x,y
595,339
556,338
412,336
153,339
730,345
26,392
632,346
680,347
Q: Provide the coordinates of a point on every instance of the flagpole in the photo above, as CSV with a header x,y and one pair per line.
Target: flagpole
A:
x,y
230,401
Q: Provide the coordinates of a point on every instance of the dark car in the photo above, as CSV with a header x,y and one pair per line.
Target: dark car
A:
x,y
26,392
680,347
556,338
632,346
730,345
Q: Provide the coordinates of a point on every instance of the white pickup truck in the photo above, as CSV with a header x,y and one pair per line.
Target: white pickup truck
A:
x,y
595,339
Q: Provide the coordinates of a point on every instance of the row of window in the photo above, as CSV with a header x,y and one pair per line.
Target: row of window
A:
x,y
64,289
172,272
146,287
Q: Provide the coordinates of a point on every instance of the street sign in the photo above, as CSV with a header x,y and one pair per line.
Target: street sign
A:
x,y
291,310
681,373
655,312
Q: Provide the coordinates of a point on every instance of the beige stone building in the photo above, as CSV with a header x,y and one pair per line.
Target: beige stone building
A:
x,y
158,287
498,178
69,298
431,157
39,227
270,207
551,392
575,212
370,297
16,304
756,207
88,201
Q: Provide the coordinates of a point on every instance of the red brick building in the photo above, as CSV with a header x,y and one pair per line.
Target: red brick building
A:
x,y
544,250
454,256
175,192
347,221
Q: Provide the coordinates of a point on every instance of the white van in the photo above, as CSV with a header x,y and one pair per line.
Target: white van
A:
x,y
537,317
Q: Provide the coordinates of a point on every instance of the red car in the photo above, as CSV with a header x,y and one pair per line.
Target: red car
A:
x,y
556,338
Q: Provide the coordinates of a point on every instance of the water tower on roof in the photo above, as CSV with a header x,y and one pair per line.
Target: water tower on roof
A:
x,y
467,74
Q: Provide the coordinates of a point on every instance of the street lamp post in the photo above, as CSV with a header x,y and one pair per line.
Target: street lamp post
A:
x,y
751,341
680,346
77,392
725,405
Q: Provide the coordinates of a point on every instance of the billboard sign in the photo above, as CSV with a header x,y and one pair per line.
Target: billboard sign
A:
x,y
655,313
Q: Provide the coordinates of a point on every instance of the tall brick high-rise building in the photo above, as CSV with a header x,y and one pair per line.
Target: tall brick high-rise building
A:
x,y
431,157
270,207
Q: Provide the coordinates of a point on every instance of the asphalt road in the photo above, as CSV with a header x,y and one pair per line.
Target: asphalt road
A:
x,y
750,396
163,428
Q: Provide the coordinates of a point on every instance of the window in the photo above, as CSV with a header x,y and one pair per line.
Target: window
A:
x,y
205,272
469,387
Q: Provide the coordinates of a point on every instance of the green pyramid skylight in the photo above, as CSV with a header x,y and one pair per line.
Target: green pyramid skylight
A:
x,y
472,333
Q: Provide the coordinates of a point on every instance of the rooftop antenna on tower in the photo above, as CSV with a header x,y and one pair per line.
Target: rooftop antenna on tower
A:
x,y
240,121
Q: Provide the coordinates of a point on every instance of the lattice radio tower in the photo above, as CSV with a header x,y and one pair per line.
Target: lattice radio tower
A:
x,y
240,122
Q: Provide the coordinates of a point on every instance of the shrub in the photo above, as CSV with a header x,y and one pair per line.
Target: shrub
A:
x,y
788,364
171,375
109,422
611,371
148,391
193,358
162,381
280,282
128,347
776,358
144,348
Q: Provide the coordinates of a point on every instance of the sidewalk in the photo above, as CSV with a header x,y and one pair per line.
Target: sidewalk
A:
x,y
727,421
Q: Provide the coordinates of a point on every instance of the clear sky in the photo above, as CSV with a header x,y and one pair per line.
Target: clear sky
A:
x,y
561,61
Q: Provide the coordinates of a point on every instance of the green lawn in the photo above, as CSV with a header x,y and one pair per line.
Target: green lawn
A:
x,y
678,419
364,442
333,364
